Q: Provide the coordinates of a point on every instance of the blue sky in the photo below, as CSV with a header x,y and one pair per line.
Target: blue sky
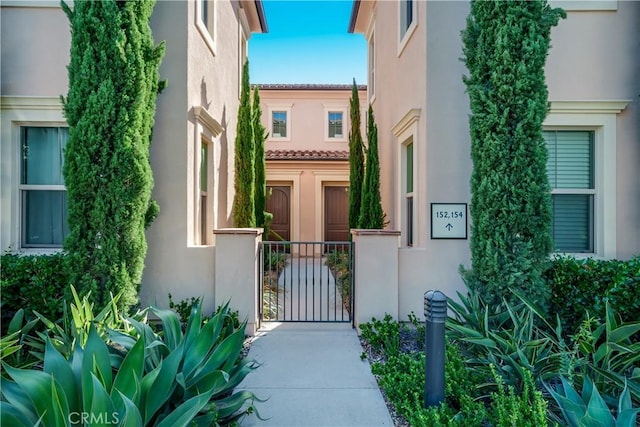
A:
x,y
307,42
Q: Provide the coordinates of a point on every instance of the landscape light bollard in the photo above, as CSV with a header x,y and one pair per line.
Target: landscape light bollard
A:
x,y
435,312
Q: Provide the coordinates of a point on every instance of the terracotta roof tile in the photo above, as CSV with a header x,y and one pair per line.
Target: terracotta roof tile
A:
x,y
304,86
306,155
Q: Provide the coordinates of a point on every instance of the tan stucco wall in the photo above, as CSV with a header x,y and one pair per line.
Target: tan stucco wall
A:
x,y
35,51
307,179
197,78
595,55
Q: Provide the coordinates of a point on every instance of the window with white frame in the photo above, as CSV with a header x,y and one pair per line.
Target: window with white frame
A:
x,y
570,169
584,135
206,214
406,16
409,193
279,124
335,124
206,21
43,199
372,66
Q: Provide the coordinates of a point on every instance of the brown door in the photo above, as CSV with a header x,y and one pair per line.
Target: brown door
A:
x,y
278,203
336,214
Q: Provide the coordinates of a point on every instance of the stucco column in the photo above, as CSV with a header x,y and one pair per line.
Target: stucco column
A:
x,y
236,272
376,274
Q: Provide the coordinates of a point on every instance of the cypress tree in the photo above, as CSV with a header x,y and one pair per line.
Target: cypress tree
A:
x,y
110,107
505,48
356,159
260,136
371,214
244,200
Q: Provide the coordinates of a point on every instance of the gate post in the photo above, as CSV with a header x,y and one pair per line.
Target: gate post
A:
x,y
376,274
237,272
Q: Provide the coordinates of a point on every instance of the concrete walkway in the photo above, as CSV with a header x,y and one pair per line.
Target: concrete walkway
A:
x,y
313,376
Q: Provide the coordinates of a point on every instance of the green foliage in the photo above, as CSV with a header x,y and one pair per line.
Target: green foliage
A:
x,y
371,214
515,338
13,344
383,335
36,282
135,375
356,159
590,409
526,410
339,263
260,136
579,287
244,205
184,307
110,107
505,49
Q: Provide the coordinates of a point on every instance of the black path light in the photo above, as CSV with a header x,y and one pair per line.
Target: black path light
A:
x,y
435,312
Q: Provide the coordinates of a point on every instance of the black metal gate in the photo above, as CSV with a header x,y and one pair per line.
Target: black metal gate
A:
x,y
306,282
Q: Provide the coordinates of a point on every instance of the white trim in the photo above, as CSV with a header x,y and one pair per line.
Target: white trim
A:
x,y
599,116
53,4
336,108
271,108
276,176
20,111
403,39
203,116
584,5
322,179
209,37
371,63
406,131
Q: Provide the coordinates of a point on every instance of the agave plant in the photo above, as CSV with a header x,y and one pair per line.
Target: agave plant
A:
x,y
590,409
515,338
204,357
83,389
12,345
121,371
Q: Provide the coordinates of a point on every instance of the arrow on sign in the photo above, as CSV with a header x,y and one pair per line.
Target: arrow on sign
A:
x,y
448,226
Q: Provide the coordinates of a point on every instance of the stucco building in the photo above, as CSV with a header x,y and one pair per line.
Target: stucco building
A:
x,y
593,131
307,156
192,153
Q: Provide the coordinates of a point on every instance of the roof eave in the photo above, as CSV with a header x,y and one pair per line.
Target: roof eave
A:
x,y
354,15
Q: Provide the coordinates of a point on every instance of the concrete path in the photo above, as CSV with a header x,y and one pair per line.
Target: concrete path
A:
x,y
313,376
309,292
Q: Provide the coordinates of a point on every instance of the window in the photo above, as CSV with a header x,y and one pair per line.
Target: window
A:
x,y
279,124
335,124
206,15
206,22
406,16
409,193
204,192
570,169
42,191
372,67
407,22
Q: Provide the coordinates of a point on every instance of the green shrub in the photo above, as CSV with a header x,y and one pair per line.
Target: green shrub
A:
x,y
137,376
32,283
579,287
528,409
339,263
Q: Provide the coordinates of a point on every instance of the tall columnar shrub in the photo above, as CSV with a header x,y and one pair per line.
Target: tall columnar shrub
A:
x,y
505,48
244,201
371,214
110,107
260,135
356,159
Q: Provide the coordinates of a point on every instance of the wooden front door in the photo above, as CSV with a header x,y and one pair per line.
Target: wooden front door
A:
x,y
336,214
279,204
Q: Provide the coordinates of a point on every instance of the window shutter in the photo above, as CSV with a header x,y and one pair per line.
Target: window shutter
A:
x,y
570,162
572,222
